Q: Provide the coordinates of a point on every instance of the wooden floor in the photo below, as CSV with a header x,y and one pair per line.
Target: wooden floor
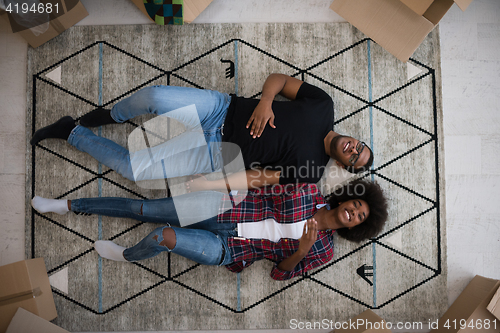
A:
x,y
470,53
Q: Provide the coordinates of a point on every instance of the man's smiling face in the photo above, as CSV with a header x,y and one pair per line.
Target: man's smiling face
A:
x,y
349,151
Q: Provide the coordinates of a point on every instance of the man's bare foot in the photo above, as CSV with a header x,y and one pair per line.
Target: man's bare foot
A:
x,y
197,183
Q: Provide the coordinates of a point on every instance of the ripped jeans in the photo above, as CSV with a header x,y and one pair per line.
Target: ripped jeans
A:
x,y
204,242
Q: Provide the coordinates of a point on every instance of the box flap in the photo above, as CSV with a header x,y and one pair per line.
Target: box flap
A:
x,y
15,280
437,10
8,311
39,278
366,322
25,321
475,295
390,23
463,4
418,6
74,15
494,305
192,8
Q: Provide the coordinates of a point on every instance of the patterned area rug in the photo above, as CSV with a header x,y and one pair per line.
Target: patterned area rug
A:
x,y
395,107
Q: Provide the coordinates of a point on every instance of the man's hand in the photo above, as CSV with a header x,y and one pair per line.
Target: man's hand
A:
x,y
260,116
309,236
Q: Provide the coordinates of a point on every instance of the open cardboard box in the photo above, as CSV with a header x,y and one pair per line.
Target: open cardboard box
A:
x,y
190,8
73,12
25,284
399,26
468,314
494,306
366,322
25,321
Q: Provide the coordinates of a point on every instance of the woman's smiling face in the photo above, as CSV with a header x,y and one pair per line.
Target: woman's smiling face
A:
x,y
353,212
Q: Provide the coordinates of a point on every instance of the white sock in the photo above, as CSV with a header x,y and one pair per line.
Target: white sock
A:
x,y
43,205
109,250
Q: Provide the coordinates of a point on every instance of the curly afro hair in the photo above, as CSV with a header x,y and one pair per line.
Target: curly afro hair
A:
x,y
374,197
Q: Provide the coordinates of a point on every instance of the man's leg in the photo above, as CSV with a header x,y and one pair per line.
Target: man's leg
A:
x,y
211,106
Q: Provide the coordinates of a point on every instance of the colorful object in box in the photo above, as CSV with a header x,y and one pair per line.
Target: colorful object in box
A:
x,y
165,12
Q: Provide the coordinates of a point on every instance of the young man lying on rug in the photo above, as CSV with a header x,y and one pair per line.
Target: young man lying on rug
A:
x,y
292,225
294,150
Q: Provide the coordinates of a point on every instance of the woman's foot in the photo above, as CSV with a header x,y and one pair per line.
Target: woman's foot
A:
x,y
43,205
97,117
109,250
61,129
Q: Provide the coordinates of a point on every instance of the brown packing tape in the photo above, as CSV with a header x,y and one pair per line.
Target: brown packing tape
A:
x,y
37,292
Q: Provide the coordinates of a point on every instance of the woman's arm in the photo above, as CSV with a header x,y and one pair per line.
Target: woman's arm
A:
x,y
309,236
275,84
248,179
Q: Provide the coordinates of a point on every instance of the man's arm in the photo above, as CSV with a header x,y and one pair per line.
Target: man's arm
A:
x,y
248,179
275,84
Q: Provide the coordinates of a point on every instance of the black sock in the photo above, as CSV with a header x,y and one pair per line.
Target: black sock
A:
x,y
61,129
97,117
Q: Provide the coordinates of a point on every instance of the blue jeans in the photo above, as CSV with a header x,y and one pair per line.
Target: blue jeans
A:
x,y
197,150
204,242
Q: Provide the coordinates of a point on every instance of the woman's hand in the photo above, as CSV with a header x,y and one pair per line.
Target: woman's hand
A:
x,y
260,116
309,236
197,183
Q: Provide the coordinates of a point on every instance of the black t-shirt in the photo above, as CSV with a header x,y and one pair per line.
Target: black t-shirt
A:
x,y
296,146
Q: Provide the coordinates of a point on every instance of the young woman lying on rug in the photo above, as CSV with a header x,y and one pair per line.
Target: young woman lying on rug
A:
x,y
291,225
295,150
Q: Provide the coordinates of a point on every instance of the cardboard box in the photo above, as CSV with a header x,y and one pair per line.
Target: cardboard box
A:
x,y
399,26
494,306
25,284
25,321
73,13
367,322
190,8
470,309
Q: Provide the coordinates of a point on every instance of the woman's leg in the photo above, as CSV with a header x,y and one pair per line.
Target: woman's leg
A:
x,y
155,211
183,210
202,246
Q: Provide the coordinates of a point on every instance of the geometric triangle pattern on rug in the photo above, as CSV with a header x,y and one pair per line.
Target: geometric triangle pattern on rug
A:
x,y
370,105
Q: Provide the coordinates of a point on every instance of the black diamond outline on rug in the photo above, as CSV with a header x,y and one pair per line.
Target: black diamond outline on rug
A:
x,y
302,73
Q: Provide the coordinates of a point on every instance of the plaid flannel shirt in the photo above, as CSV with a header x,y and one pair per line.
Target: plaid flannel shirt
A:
x,y
289,203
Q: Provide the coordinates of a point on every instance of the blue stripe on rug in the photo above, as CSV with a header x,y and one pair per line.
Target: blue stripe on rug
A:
x,y
99,181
